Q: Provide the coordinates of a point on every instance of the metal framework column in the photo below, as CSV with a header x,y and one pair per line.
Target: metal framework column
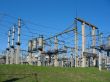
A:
x,y
8,49
40,47
93,38
72,60
64,54
18,43
94,44
100,60
83,45
76,47
12,46
100,39
30,52
48,57
56,54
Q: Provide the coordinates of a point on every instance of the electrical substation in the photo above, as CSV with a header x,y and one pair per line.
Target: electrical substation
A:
x,y
81,45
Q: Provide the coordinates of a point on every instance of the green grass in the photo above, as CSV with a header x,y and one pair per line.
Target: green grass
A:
x,y
27,73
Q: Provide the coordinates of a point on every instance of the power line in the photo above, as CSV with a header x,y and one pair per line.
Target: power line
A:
x,y
43,26
8,15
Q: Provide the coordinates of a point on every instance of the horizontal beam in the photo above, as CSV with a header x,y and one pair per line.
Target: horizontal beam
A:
x,y
82,21
60,34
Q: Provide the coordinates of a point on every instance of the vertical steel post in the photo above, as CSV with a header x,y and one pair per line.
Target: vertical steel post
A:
x,y
94,44
100,35
76,44
8,49
56,50
72,60
40,47
64,54
100,61
83,45
18,43
30,52
93,39
12,46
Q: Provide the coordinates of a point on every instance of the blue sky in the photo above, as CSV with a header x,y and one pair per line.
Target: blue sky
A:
x,y
55,14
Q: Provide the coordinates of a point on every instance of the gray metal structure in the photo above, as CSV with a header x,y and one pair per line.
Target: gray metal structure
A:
x,y
8,48
12,55
18,43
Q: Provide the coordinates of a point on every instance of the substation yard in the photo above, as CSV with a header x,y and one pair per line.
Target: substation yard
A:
x,y
29,73
65,42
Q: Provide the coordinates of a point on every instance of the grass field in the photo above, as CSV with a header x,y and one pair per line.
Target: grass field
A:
x,y
27,73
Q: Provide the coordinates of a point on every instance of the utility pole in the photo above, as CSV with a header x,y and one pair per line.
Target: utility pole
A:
x,y
83,45
8,49
18,43
56,54
12,46
93,38
94,44
76,44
